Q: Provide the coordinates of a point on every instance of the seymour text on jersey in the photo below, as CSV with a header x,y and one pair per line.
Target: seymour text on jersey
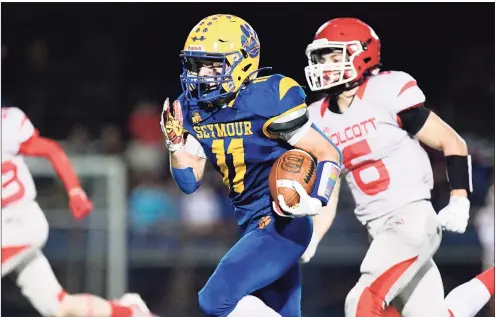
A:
x,y
222,130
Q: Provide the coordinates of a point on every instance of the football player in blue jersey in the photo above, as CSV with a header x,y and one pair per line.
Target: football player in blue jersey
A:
x,y
241,124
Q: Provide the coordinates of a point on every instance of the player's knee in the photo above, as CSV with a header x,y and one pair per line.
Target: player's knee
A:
x,y
215,304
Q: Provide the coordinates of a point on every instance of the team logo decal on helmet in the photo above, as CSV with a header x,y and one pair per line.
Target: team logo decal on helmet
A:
x,y
249,41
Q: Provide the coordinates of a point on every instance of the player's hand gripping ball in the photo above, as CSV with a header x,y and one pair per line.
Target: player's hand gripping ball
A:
x,y
172,127
291,176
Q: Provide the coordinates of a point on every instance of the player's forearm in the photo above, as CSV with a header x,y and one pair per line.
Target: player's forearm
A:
x,y
323,221
438,135
328,162
327,152
64,169
50,149
453,144
183,160
180,159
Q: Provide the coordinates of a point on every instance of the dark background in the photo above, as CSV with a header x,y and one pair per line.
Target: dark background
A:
x,y
130,51
94,76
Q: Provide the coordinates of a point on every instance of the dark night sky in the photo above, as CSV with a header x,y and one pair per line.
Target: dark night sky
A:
x,y
425,39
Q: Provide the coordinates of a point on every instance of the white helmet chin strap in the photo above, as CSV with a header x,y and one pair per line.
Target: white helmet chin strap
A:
x,y
325,76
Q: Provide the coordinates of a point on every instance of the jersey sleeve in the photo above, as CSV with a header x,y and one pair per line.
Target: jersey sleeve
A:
x,y
287,112
24,127
404,92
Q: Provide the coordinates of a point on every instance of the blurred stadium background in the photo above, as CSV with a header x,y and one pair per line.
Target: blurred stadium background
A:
x,y
93,76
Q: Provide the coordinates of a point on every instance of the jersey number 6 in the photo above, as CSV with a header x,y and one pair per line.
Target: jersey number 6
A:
x,y
357,150
237,151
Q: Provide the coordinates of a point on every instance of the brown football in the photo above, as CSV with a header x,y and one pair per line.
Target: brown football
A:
x,y
295,165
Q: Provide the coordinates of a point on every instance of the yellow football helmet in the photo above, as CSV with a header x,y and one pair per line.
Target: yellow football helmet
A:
x,y
225,41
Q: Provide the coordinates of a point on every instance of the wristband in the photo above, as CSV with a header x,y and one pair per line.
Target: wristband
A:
x,y
459,172
327,175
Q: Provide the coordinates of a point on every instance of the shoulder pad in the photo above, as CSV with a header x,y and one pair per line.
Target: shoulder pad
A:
x,y
396,90
396,82
281,94
13,114
282,85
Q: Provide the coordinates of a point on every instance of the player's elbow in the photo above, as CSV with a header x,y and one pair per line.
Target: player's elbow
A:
x,y
453,144
330,152
188,188
324,148
185,179
53,146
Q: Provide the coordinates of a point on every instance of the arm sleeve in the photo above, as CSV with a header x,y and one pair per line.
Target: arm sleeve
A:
x,y
50,149
413,119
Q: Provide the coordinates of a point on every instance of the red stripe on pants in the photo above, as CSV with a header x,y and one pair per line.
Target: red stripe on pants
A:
x,y
10,252
372,298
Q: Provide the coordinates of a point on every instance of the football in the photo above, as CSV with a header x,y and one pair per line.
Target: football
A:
x,y
295,165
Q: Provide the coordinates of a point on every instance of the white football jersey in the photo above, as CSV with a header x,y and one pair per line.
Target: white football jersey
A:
x,y
17,182
384,166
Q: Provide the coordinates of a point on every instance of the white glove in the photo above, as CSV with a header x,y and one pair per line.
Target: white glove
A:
x,y
172,127
454,217
311,249
308,206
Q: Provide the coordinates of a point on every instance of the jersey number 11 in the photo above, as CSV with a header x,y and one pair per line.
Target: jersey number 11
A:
x,y
237,151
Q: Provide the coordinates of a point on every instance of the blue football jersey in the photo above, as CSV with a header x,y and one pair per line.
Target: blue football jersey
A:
x,y
236,141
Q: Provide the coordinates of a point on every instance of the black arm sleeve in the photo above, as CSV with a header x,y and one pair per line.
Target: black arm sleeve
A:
x,y
289,123
413,119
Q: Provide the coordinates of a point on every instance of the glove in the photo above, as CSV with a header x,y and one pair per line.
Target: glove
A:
x,y
172,127
311,249
79,203
454,217
308,206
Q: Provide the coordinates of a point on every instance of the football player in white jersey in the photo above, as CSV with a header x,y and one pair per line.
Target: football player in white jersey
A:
x,y
377,120
25,227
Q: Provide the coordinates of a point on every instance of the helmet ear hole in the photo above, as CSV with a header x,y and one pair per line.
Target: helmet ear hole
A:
x,y
245,54
246,67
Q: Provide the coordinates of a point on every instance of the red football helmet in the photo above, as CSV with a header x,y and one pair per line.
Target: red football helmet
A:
x,y
360,48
